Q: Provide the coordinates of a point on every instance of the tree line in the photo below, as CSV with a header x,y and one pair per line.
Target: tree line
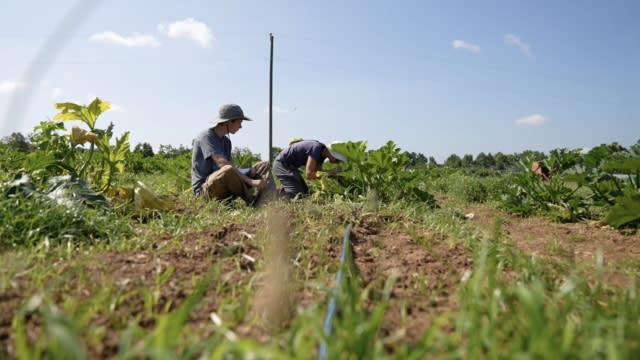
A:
x,y
244,156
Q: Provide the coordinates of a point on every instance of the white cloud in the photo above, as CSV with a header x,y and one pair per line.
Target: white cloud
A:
x,y
460,44
56,93
135,40
190,29
534,120
117,108
511,39
7,86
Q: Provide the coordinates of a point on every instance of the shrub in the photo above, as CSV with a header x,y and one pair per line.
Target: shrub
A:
x,y
468,189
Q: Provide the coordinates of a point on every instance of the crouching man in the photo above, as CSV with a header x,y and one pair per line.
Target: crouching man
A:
x,y
213,176
540,169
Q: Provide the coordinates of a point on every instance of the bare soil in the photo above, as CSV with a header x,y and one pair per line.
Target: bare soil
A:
x,y
427,269
576,243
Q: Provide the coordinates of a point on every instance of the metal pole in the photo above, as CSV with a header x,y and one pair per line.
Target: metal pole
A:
x,y
271,101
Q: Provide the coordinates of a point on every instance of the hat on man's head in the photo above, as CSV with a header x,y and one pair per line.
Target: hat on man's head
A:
x,y
229,112
337,155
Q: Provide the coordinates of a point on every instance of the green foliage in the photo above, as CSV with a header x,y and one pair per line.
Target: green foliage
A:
x,y
143,149
356,317
384,171
596,156
59,154
175,162
243,158
112,158
629,166
87,114
58,338
453,161
516,200
274,152
54,154
467,160
137,163
635,149
163,341
61,201
508,305
541,315
467,185
561,160
529,155
530,193
625,212
581,186
503,161
417,159
469,189
511,305
173,170
485,160
169,151
31,217
11,159
18,142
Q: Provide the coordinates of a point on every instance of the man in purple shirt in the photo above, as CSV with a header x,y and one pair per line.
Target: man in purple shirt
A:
x,y
308,153
212,174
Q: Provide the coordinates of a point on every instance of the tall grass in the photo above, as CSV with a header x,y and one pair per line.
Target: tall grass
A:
x,y
535,315
30,221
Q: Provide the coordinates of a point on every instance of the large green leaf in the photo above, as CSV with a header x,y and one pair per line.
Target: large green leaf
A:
x,y
625,211
353,151
45,164
120,151
68,107
87,114
98,106
627,165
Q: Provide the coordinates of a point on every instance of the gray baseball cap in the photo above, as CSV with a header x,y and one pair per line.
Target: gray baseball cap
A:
x,y
229,112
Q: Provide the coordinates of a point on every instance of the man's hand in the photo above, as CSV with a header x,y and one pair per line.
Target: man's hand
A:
x,y
259,184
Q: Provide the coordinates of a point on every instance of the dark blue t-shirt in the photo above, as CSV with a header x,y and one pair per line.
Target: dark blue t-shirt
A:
x,y
205,145
296,154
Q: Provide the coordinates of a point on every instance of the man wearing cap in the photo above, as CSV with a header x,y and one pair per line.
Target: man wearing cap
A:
x,y
212,174
308,153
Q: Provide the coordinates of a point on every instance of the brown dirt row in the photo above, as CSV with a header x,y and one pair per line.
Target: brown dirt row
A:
x,y
576,243
427,276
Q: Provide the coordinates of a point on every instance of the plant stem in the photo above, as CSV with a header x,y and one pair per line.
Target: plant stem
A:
x,y
84,167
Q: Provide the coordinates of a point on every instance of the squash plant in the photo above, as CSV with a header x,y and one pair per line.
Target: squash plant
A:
x,y
63,154
384,171
604,184
626,209
530,193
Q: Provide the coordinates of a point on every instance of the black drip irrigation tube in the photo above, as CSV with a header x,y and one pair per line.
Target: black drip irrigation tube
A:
x,y
345,266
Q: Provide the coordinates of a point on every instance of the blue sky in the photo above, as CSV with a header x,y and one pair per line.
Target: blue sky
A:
x,y
436,77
